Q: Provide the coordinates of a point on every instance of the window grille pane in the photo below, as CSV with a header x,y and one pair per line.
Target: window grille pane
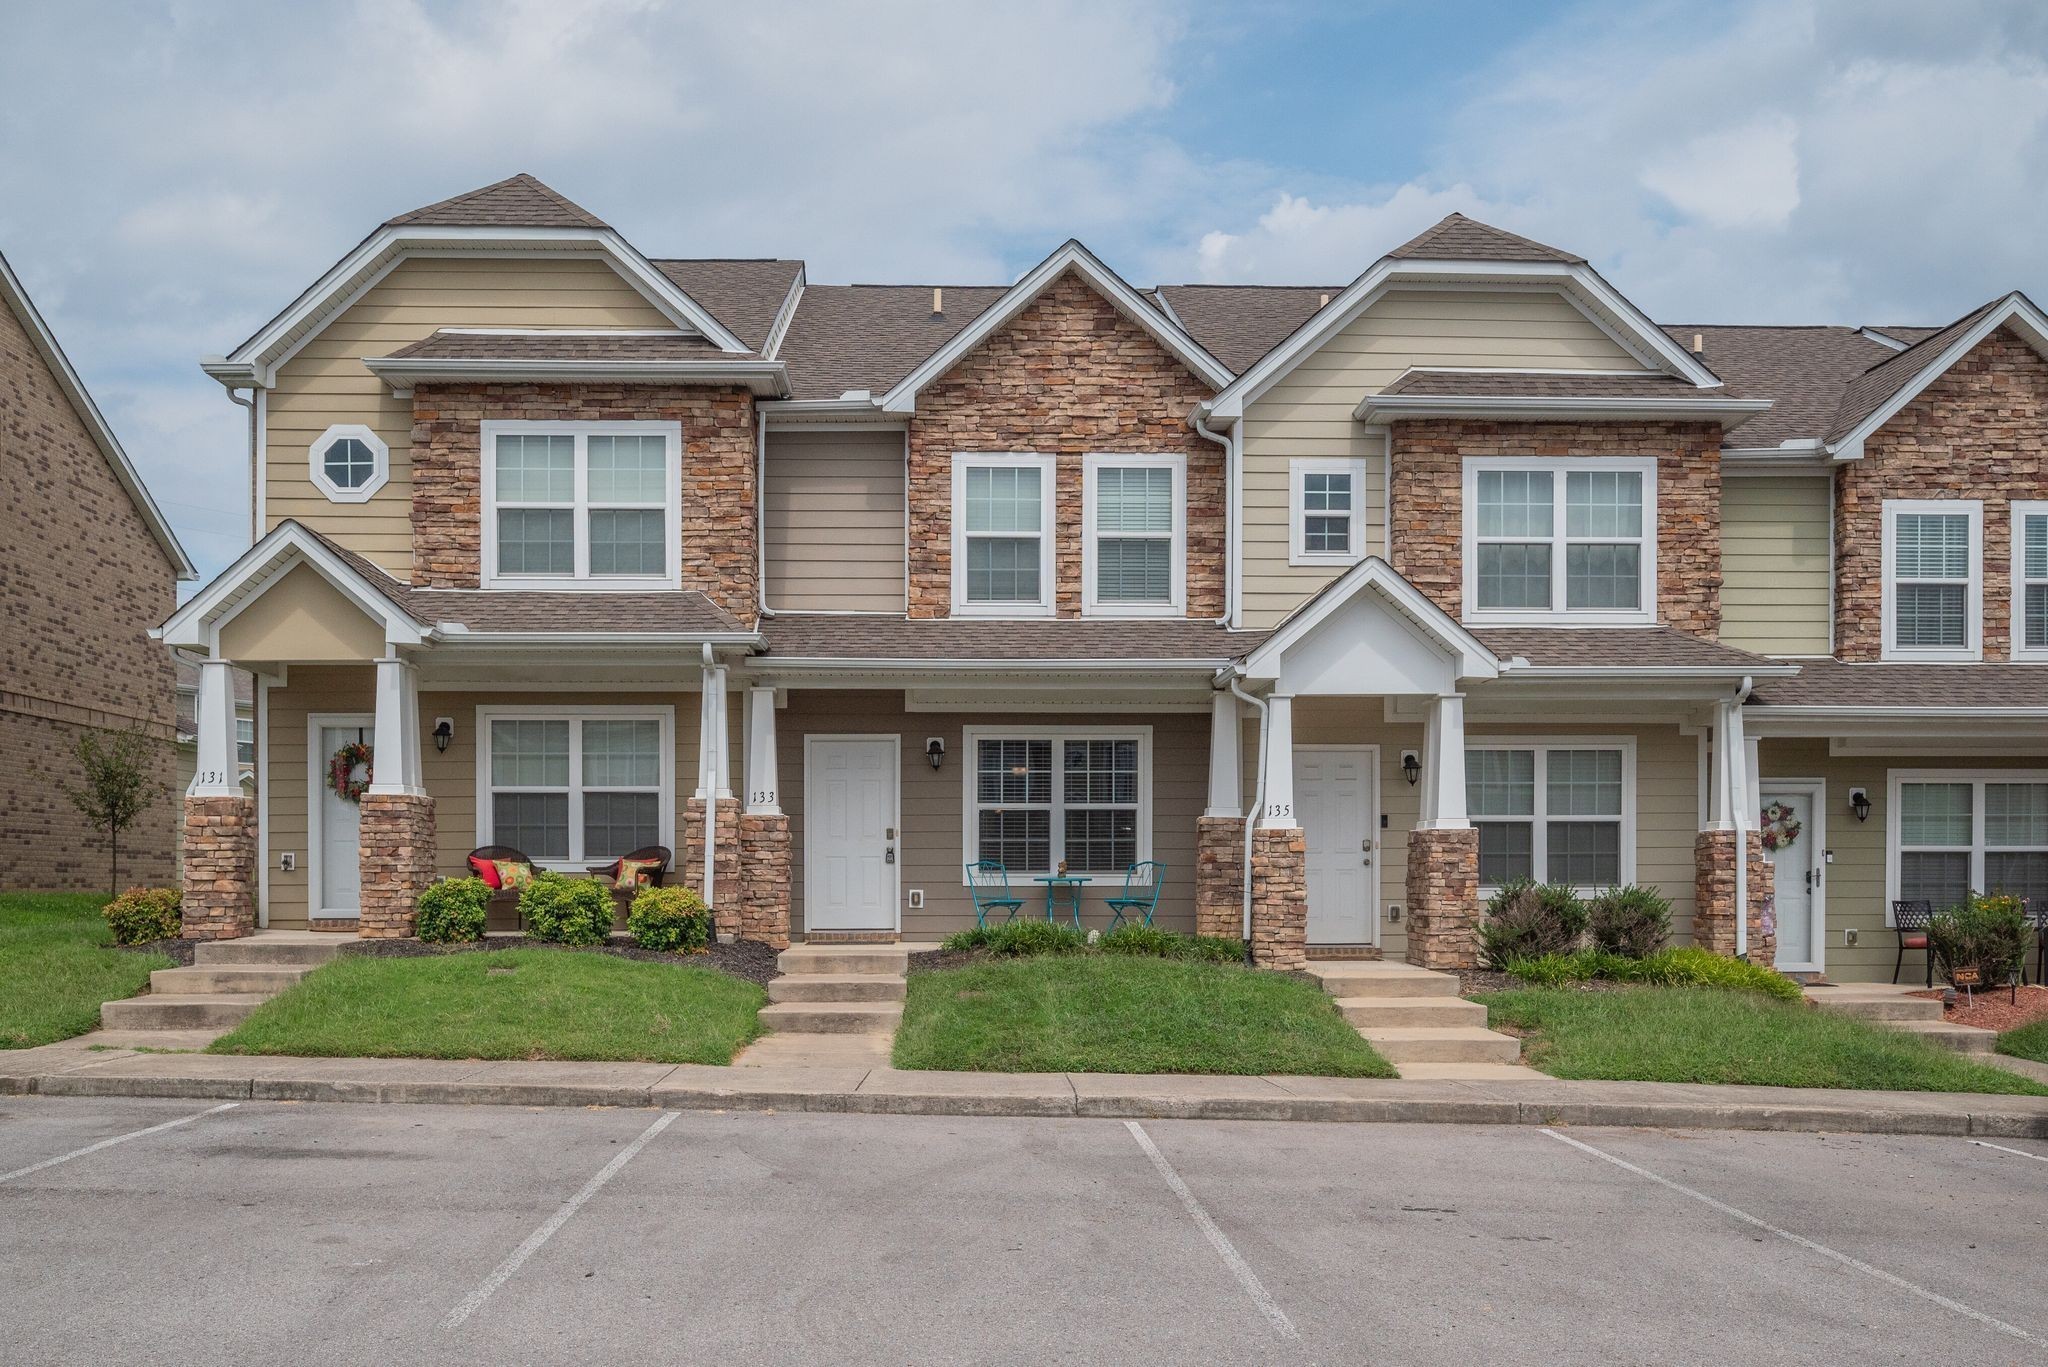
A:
x,y
1101,771
2015,814
1002,569
1930,615
1500,782
1014,771
616,824
1512,576
1515,503
1326,493
245,740
1134,571
1603,576
1325,535
622,754
1603,503
2017,875
628,541
1002,498
530,754
535,824
1020,840
1134,500
1943,879
1583,854
536,541
1583,783
1931,546
2036,546
536,469
349,463
1101,839
2037,614
628,469
1505,851
1934,814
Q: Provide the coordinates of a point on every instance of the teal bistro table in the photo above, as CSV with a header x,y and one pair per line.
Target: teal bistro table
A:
x,y
1063,888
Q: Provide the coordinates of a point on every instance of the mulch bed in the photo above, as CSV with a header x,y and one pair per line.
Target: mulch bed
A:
x,y
746,959
933,959
180,951
1993,1008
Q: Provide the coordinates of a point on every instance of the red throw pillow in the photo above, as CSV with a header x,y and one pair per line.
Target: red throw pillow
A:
x,y
485,870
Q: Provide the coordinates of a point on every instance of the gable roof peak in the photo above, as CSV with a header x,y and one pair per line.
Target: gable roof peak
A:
x,y
1458,238
518,201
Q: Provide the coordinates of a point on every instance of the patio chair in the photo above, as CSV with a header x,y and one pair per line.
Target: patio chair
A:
x,y
1910,920
622,898
989,881
502,912
2037,916
1141,892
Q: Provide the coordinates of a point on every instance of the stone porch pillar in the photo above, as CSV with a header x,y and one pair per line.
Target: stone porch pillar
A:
x,y
764,846
396,817
1443,849
220,822
1219,831
1279,871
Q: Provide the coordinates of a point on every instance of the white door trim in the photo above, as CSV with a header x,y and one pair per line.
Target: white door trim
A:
x,y
316,783
1371,755
895,867
1816,790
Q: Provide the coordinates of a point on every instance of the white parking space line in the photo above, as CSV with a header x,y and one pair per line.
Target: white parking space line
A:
x,y
117,1139
2017,1153
1899,1283
1219,1241
503,1272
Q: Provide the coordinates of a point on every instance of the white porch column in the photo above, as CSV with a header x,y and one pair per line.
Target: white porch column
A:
x,y
217,774
721,752
395,754
1443,766
1226,797
1279,814
1731,788
764,795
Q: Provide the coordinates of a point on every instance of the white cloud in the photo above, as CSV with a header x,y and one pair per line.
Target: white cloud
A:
x,y
1746,177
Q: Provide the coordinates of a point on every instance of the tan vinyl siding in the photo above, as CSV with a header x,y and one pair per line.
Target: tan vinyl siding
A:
x,y
1775,575
835,509
1308,412
325,383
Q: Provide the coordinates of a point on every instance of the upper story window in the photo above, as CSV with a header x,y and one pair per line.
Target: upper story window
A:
x,y
1134,557
349,463
1933,579
1572,540
1002,535
1325,510
2030,581
582,505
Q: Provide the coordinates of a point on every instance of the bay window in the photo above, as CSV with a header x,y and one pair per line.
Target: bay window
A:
x,y
1567,540
1002,535
1933,596
1954,832
1134,550
1553,812
592,505
1039,796
569,787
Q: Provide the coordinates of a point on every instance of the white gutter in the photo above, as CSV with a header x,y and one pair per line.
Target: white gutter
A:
x,y
1740,758
1230,478
1251,820
402,373
761,512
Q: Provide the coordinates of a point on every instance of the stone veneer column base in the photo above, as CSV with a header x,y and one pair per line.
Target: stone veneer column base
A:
x,y
1443,898
220,868
396,834
1219,876
1763,904
725,907
764,878
1713,891
1280,898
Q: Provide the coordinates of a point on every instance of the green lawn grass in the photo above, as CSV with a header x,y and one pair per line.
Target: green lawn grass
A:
x,y
1690,1034
2029,1041
57,964
509,1004
1121,1014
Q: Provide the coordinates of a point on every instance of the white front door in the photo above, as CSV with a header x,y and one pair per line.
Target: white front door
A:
x,y
1336,791
335,880
1793,815
850,832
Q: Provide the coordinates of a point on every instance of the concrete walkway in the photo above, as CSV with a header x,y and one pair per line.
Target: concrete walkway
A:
x,y
76,1068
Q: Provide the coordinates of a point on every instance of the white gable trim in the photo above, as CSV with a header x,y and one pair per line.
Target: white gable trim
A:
x,y
2015,311
1604,305
1376,576
1072,256
197,624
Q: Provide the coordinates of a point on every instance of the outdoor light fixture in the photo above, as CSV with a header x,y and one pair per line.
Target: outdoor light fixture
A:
x,y
444,731
935,751
1859,803
1411,767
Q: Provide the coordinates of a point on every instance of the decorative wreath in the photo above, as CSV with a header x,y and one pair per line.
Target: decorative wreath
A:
x,y
1780,826
341,771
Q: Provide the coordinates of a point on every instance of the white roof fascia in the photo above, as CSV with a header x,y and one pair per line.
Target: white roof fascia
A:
x,y
786,315
96,424
402,373
289,544
1072,255
1883,339
2015,311
1382,408
1475,660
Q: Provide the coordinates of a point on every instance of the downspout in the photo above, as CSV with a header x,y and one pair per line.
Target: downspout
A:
x,y
255,531
760,515
1251,821
1740,807
1201,426
707,779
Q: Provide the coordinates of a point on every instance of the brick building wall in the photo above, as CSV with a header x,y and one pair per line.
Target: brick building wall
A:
x,y
1067,376
1425,515
718,556
1975,433
81,582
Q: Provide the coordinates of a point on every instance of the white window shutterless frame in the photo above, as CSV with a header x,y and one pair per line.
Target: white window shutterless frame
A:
x,y
1002,534
575,784
2029,580
1949,832
1134,542
1933,597
571,506
1325,510
1570,541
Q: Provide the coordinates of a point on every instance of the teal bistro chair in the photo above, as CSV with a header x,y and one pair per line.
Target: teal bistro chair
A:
x,y
989,881
1141,892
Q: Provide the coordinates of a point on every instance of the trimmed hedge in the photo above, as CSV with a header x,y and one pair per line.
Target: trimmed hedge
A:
x,y
1527,920
140,915
674,920
1633,922
453,911
1666,968
567,911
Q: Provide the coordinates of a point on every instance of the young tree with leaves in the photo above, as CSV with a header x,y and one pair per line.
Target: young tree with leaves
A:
x,y
120,785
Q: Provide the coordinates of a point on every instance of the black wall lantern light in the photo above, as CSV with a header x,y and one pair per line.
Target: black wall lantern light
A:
x,y
1411,767
1859,803
444,731
935,751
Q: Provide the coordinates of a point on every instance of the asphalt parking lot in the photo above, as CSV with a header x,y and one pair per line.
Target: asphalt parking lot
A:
x,y
347,1234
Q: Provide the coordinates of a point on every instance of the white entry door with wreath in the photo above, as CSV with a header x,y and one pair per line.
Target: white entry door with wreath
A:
x,y
333,845
1792,816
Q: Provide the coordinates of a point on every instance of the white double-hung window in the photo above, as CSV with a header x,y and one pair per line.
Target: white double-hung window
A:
x,y
2029,580
1326,510
593,505
1957,831
1559,812
564,787
1134,552
1002,535
1554,541
1038,797
1933,579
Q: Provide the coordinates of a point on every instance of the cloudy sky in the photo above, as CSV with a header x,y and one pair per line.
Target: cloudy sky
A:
x,y
172,173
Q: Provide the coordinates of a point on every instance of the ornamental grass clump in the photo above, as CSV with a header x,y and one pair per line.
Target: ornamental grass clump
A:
x,y
1633,922
1527,920
1687,967
453,911
140,915
567,911
671,920
1020,939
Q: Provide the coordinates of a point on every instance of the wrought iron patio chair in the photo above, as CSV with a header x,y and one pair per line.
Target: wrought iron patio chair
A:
x,y
989,881
1141,892
1910,920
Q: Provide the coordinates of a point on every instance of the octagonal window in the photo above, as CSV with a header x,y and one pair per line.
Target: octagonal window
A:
x,y
350,463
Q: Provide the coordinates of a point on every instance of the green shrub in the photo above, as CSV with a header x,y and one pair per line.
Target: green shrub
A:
x,y
674,920
453,910
1018,939
1989,934
1633,922
960,940
140,915
1213,949
569,911
1153,942
1527,920
1666,968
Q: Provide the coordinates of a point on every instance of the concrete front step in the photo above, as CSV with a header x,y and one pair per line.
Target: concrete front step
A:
x,y
1964,1039
1370,1012
204,979
1875,1006
836,987
180,1011
264,949
1354,978
832,1018
1426,1044
843,959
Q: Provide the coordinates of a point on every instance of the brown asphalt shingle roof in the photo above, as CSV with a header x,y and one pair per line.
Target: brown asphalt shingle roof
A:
x,y
1237,324
1803,371
809,636
1464,384
745,296
1869,391
1614,647
560,346
1832,683
515,202
870,336
1458,238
